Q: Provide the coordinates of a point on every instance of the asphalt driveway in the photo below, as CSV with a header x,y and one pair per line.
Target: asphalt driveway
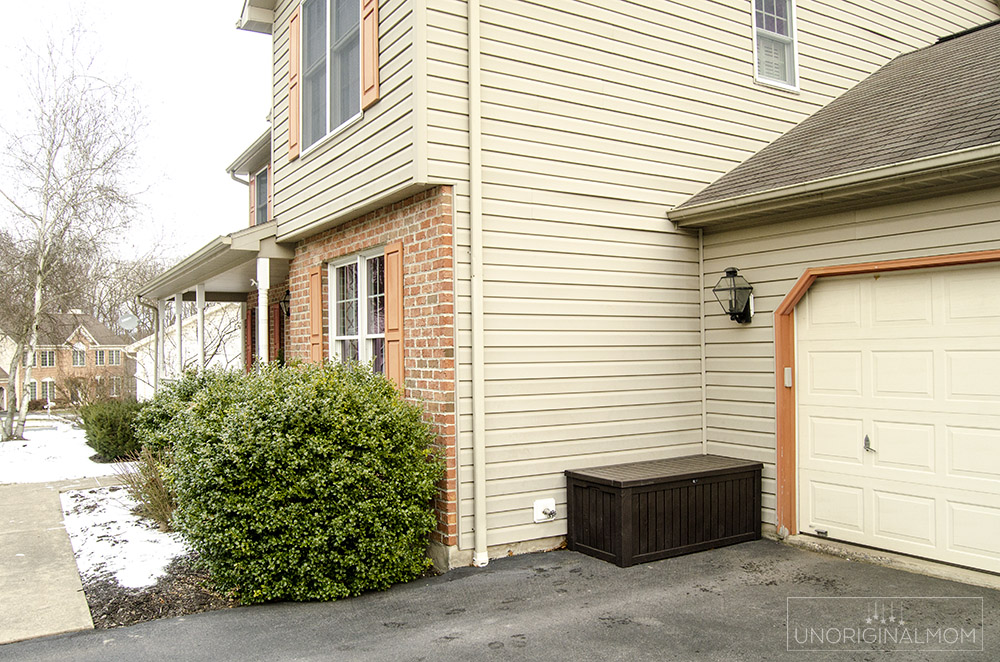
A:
x,y
724,604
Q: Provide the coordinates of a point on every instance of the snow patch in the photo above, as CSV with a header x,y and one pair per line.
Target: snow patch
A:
x,y
110,540
53,450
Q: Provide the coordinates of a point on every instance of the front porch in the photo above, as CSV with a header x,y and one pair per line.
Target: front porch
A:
x,y
247,267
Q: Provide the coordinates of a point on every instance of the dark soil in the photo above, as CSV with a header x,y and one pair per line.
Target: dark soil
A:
x,y
184,589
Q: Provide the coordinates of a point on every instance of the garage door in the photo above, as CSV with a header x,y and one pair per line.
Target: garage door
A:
x,y
899,412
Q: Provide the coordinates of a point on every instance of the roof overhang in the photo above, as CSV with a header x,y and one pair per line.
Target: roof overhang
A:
x,y
254,157
257,16
953,172
226,266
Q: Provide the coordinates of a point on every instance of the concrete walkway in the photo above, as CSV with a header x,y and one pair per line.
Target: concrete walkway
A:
x,y
40,589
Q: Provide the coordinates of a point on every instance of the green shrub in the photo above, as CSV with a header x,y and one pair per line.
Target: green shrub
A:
x,y
305,482
109,427
155,425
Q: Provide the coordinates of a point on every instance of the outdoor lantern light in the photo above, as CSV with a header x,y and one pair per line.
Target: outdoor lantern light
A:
x,y
285,303
736,296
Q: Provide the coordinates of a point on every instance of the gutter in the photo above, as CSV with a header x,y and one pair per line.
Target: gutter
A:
x,y
775,199
480,555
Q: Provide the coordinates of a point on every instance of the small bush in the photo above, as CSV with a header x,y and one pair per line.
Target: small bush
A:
x,y
37,404
145,482
304,483
109,427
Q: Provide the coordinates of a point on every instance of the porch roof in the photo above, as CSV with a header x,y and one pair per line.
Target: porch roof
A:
x,y
227,266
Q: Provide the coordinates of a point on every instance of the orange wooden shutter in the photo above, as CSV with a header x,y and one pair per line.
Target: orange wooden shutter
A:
x,y
270,193
369,53
253,200
274,330
394,313
248,326
316,314
294,92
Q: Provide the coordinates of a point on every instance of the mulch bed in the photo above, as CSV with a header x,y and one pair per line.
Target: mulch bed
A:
x,y
184,589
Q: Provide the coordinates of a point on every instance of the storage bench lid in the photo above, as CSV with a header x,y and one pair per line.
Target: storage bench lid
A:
x,y
636,474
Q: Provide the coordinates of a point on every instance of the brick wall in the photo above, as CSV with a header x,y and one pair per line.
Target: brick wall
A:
x,y
424,224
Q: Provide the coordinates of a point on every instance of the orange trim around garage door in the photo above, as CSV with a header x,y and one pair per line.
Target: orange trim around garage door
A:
x,y
784,353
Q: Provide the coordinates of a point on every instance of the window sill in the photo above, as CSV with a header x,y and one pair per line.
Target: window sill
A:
x,y
328,138
776,85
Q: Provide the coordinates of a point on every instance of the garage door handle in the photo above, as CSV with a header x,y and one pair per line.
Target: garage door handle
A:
x,y
868,445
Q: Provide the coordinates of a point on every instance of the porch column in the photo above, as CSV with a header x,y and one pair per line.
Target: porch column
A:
x,y
160,340
263,285
179,332
199,297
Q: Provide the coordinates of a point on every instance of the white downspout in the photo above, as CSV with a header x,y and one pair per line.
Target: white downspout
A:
x,y
480,556
704,335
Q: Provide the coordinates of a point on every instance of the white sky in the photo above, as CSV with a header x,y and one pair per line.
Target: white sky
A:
x,y
204,87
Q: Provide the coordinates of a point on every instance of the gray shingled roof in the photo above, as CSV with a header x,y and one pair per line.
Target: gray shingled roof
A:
x,y
939,99
55,329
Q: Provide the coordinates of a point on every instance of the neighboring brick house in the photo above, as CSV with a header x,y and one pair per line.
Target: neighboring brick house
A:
x,y
78,359
473,197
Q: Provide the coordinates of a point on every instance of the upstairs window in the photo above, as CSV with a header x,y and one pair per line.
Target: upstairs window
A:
x,y
774,42
79,358
48,358
331,66
26,362
98,357
114,357
260,197
358,302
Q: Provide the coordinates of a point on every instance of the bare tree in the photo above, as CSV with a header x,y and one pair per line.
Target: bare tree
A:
x,y
68,190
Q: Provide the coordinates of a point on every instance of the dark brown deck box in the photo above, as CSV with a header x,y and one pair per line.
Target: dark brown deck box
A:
x,y
644,511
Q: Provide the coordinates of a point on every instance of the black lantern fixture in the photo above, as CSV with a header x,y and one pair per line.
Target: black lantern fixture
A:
x,y
736,296
285,303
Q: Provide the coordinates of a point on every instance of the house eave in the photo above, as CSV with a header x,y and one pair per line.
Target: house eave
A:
x,y
225,264
254,157
257,16
975,167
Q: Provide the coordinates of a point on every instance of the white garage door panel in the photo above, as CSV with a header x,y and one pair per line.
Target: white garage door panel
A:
x,y
912,361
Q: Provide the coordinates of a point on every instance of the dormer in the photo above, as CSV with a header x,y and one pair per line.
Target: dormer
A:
x,y
257,16
253,168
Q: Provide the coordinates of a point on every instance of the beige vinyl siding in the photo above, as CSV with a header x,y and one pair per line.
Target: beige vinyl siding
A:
x,y
740,359
598,117
364,161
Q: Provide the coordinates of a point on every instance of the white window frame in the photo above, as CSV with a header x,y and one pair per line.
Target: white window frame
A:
x,y
79,358
48,359
258,207
49,390
793,39
365,353
32,389
115,390
331,131
114,357
99,357
34,359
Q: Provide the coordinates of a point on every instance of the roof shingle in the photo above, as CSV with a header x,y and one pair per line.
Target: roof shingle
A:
x,y
939,99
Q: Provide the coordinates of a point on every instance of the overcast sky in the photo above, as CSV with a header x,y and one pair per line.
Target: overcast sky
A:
x,y
203,86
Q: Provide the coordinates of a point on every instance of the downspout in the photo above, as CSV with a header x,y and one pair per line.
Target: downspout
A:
x,y
480,556
704,353
156,341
